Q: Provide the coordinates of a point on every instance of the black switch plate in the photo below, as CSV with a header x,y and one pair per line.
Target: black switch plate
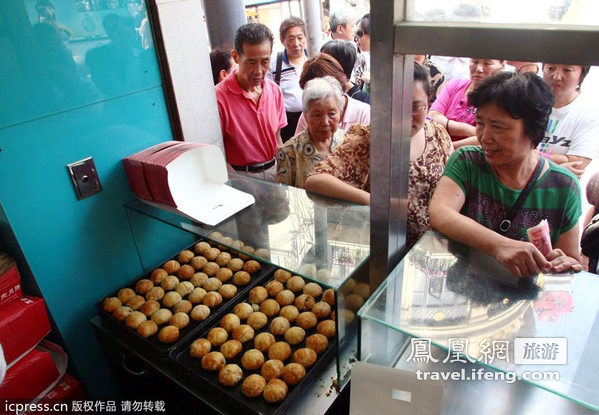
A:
x,y
85,178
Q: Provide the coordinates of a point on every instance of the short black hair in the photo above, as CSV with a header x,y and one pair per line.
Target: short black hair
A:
x,y
220,58
421,75
288,24
344,52
522,96
364,23
252,34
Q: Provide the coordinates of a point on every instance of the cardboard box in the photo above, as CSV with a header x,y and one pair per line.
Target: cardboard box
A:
x,y
30,376
67,389
23,324
10,285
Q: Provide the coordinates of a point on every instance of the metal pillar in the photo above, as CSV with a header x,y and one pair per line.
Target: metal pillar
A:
x,y
223,19
312,17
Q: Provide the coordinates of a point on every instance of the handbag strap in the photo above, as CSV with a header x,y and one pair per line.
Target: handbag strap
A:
x,y
278,68
506,223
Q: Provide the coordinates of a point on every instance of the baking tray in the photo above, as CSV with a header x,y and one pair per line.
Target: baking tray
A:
x,y
152,344
258,405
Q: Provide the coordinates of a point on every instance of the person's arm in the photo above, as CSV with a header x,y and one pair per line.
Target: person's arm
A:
x,y
575,164
564,255
328,185
521,258
279,139
301,124
469,141
454,128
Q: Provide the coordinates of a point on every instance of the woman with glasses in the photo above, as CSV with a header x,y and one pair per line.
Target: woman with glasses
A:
x,y
451,108
361,75
345,173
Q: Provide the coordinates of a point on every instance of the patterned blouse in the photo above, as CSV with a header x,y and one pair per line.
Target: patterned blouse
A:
x,y
350,162
298,156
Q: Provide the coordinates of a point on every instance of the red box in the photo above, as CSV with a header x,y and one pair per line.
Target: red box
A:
x,y
29,377
67,389
23,323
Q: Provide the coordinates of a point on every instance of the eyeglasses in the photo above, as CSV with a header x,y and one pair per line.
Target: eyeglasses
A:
x,y
359,33
418,109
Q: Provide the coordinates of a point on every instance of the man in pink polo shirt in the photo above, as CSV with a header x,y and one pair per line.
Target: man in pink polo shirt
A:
x,y
251,106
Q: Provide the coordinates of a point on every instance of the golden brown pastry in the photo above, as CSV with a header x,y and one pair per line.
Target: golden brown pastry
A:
x,y
161,316
186,272
263,341
136,302
169,283
257,295
229,322
253,359
348,286
197,295
228,291
274,287
293,373
212,284
257,320
321,310
201,247
363,290
230,375
217,336
135,319
122,312
241,278
353,302
304,302
279,325
295,335
243,333
150,307
185,256
211,254
171,298
210,269
143,286
282,276
198,262
279,351
270,307
179,320
326,328
305,357
312,289
200,348
223,259
231,348
212,299
198,279
237,244
251,266
290,312
158,275
213,361
275,391
329,297
227,240
348,316
216,235
253,386
168,334
318,343
184,288
247,249
235,264
156,293
243,310
271,369
224,274
285,297
125,294
171,267
182,306
306,320
200,312
295,284
110,304
147,328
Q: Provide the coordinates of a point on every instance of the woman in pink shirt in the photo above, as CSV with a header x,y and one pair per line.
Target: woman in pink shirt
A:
x,y
451,108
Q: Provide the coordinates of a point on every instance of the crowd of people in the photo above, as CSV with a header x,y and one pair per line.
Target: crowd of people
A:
x,y
491,155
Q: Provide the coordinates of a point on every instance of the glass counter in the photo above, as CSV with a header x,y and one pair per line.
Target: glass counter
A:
x,y
441,295
321,239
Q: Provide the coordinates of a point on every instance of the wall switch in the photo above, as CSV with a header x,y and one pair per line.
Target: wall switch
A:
x,y
85,178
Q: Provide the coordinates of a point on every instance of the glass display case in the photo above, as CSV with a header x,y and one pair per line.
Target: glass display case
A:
x,y
443,295
320,239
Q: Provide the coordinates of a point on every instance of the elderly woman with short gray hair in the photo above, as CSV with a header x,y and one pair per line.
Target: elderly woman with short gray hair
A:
x,y
322,105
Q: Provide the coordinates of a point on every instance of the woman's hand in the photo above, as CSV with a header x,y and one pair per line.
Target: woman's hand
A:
x,y
561,262
521,258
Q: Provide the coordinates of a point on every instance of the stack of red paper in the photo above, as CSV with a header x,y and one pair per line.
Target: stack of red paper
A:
x,y
10,280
